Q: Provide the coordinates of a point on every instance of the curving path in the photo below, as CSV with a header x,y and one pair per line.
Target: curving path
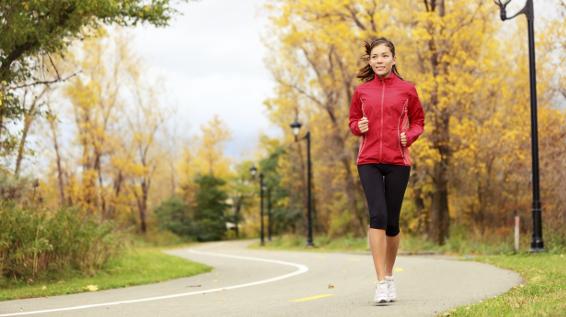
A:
x,y
248,282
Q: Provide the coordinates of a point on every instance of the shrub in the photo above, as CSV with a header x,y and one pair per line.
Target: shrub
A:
x,y
34,242
173,215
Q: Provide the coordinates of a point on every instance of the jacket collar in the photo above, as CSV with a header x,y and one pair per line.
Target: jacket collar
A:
x,y
390,78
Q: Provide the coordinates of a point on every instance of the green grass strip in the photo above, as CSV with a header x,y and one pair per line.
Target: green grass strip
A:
x,y
137,266
543,292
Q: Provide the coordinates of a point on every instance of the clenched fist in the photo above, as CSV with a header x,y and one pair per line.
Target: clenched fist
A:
x,y
363,124
403,139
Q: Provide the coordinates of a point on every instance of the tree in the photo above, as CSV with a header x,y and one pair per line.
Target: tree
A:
x,y
214,135
205,158
120,122
97,102
173,215
145,121
52,121
285,216
30,112
240,190
32,29
210,208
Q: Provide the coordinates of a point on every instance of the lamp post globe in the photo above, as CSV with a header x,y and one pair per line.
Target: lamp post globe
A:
x,y
253,170
296,127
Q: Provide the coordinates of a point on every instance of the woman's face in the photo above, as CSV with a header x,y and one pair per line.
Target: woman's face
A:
x,y
381,60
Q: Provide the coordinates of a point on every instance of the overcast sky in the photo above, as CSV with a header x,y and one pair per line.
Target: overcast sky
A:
x,y
211,60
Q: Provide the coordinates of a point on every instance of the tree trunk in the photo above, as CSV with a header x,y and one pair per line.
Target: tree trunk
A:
x,y
98,168
142,206
440,216
439,213
117,188
29,116
21,146
60,181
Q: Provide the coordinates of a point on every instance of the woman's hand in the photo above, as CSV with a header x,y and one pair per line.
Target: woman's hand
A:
x,y
403,139
363,124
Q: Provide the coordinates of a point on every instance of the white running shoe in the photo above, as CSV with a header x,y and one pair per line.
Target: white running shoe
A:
x,y
391,290
381,293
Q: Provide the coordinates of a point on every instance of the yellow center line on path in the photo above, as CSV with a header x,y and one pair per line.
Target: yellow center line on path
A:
x,y
306,299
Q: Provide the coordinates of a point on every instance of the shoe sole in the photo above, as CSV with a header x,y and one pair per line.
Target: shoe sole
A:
x,y
381,302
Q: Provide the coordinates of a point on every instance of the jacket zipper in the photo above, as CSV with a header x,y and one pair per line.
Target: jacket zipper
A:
x,y
381,126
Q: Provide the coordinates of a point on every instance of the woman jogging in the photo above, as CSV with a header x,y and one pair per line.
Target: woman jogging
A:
x,y
387,114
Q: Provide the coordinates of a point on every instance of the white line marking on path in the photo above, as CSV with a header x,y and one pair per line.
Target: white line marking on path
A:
x,y
300,270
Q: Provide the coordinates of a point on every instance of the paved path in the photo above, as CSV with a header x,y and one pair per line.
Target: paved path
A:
x,y
275,283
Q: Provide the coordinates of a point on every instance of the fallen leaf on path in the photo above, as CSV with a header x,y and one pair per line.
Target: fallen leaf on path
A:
x,y
91,288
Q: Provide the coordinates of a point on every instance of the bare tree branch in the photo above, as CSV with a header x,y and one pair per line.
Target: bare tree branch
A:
x,y
45,82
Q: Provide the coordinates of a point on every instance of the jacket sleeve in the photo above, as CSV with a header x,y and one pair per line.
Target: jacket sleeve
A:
x,y
416,117
355,114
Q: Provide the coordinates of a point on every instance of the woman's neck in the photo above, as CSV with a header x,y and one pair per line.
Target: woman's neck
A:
x,y
384,75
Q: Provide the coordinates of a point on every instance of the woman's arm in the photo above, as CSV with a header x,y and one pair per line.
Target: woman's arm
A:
x,y
355,114
416,117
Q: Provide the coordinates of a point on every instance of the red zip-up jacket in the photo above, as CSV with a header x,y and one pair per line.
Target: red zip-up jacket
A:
x,y
391,106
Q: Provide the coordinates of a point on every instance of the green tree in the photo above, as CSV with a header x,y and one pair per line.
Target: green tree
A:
x,y
241,189
285,216
210,208
173,215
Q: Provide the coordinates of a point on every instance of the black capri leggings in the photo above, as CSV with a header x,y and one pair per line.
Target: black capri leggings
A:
x,y
384,186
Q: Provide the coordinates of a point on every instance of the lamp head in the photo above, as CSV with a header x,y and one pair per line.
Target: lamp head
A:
x,y
253,170
296,127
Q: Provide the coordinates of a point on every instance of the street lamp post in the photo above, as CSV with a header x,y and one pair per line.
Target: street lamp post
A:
x,y
253,171
537,243
269,214
296,126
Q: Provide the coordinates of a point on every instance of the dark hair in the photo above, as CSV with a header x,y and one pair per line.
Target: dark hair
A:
x,y
366,73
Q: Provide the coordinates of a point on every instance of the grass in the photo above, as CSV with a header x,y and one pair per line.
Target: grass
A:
x,y
141,265
322,244
409,245
543,292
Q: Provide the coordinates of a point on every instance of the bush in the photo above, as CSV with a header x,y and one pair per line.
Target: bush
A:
x,y
173,215
34,243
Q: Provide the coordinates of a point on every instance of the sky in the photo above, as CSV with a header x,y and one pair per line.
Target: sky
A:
x,y
210,60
